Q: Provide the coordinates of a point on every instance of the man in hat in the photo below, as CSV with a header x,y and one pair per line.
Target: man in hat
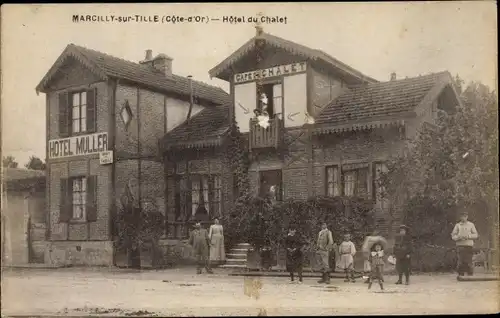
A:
x,y
403,249
199,240
324,246
464,233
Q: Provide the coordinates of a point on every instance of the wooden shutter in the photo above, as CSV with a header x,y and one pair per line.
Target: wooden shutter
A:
x,y
91,110
91,199
64,119
65,206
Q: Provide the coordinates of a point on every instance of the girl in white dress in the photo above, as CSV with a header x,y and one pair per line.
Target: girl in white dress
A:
x,y
216,236
347,250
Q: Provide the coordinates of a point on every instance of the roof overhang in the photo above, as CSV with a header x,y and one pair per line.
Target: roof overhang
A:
x,y
198,144
69,52
224,69
327,128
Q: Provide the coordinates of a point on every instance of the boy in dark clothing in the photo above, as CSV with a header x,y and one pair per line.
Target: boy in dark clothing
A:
x,y
402,250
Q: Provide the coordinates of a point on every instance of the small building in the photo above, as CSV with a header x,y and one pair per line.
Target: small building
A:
x,y
330,128
23,216
104,118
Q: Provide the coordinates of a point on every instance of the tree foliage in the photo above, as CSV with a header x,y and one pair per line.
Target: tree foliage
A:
x,y
450,166
35,163
9,162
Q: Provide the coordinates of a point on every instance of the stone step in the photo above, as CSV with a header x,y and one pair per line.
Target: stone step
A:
x,y
239,250
233,266
237,256
230,261
243,244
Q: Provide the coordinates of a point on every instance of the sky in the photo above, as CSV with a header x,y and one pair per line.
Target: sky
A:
x,y
408,38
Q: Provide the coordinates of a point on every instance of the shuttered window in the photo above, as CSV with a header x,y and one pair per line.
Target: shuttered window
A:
x,y
77,112
78,199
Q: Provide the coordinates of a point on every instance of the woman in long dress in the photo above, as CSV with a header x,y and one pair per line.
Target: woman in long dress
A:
x,y
216,235
294,255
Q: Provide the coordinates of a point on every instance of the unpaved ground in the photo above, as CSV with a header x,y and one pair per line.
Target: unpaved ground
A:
x,y
104,292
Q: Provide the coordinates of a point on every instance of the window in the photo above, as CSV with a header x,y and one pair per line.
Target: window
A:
x,y
77,112
79,197
332,181
351,181
197,193
271,185
273,94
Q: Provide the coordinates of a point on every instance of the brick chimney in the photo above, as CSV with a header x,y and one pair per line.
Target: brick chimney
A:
x,y
393,76
163,63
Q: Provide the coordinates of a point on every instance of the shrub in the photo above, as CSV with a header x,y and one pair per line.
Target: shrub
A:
x,y
258,222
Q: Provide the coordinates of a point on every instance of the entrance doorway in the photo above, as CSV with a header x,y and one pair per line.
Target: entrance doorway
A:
x,y
271,184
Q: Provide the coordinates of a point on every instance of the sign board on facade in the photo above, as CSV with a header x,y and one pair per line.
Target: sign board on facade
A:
x,y
78,145
106,157
271,72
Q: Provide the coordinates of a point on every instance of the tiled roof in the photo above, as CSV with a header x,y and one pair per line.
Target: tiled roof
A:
x,y
204,129
292,47
111,66
379,100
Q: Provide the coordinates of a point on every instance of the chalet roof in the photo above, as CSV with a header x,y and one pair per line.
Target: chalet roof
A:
x,y
294,48
204,129
21,179
107,66
384,103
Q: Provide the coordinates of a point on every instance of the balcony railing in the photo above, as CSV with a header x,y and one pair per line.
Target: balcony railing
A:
x,y
269,137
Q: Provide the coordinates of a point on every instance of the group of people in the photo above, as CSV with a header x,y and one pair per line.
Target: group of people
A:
x,y
373,249
208,246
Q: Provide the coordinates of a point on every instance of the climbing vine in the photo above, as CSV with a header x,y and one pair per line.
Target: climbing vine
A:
x,y
238,159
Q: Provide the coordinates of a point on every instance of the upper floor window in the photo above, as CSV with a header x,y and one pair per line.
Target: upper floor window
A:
x,y
271,98
77,112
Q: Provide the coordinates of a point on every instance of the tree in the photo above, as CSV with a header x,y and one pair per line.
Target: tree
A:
x,y
35,163
9,162
450,166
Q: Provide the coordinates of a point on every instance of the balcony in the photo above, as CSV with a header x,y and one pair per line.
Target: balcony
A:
x,y
269,137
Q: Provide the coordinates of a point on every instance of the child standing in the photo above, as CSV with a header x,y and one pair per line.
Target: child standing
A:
x,y
377,265
347,251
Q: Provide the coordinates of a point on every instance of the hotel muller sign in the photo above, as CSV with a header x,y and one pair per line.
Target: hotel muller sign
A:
x,y
78,145
275,71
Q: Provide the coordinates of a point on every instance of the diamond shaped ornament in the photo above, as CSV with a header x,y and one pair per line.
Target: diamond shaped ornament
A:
x,y
126,114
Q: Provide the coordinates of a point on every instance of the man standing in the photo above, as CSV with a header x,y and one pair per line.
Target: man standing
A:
x,y
199,240
464,233
402,250
324,245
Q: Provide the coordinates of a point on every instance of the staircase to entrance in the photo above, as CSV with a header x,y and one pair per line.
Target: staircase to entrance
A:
x,y
237,256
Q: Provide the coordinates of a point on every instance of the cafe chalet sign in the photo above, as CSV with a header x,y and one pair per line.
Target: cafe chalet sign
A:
x,y
78,145
275,71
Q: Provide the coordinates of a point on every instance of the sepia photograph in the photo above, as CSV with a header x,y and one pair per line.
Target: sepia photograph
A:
x,y
249,159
